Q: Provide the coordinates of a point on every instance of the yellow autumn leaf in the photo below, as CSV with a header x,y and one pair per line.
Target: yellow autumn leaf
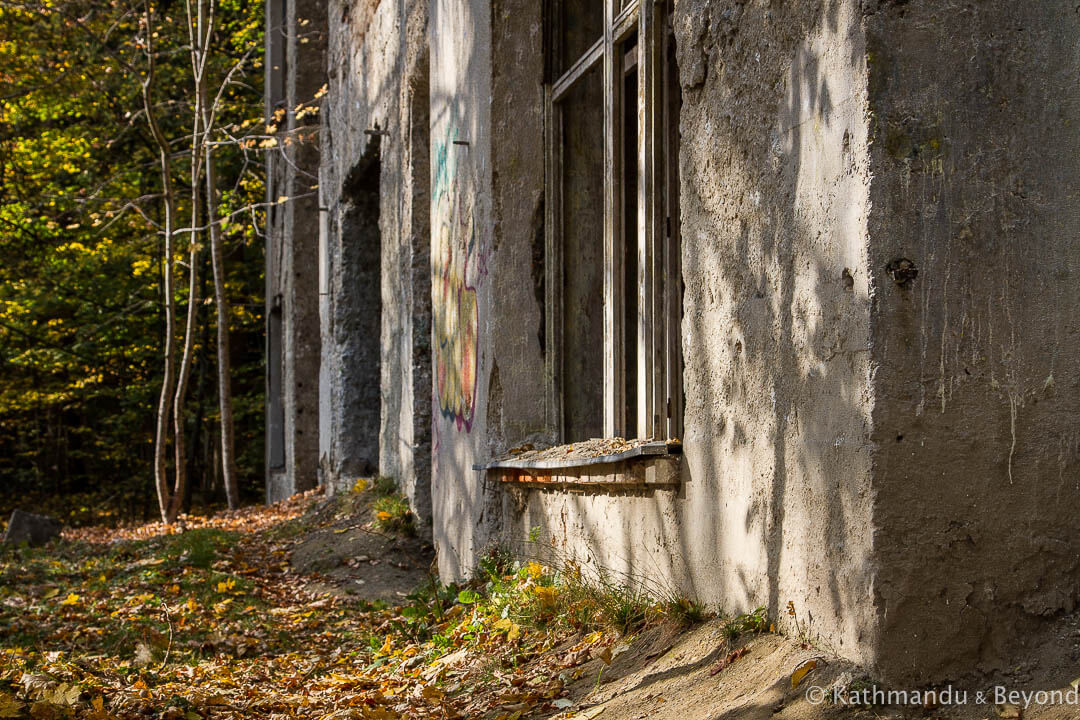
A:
x,y
97,709
513,630
536,569
225,586
71,599
63,694
361,485
383,515
801,672
45,710
9,706
546,595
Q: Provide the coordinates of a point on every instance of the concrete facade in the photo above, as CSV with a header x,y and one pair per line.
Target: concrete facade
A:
x,y
878,259
976,180
295,72
375,400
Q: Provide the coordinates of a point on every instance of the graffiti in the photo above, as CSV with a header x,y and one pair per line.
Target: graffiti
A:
x,y
455,268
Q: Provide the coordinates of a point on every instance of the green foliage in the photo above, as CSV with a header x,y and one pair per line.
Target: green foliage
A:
x,y
685,611
384,485
198,548
754,622
539,596
392,514
80,252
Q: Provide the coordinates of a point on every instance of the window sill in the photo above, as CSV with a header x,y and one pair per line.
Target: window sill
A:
x,y
598,464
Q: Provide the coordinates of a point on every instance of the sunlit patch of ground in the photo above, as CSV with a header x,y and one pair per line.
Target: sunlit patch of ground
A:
x,y
247,615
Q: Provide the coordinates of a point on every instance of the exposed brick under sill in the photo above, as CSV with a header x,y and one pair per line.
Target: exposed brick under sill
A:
x,y
654,464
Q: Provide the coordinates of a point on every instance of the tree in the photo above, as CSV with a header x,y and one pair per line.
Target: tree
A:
x,y
92,255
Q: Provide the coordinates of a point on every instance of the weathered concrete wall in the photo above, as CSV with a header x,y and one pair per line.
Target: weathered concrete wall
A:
x,y
405,430
876,254
488,259
461,248
775,504
376,404
517,410
297,69
976,165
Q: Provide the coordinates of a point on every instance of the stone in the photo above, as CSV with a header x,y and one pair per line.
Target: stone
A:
x,y
31,529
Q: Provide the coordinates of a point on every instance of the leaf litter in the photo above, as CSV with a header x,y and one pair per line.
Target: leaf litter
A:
x,y
207,619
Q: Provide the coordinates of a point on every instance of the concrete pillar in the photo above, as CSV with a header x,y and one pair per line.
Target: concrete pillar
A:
x,y
296,60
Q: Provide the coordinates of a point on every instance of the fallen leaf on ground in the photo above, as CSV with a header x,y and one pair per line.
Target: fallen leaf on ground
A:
x,y
728,659
801,672
9,706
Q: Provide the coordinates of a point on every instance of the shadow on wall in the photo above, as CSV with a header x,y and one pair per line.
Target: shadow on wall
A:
x,y
775,505
776,326
460,252
419,93
357,322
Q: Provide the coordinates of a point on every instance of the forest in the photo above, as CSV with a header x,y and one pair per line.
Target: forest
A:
x,y
107,244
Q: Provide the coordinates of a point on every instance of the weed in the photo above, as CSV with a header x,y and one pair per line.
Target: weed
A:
x,y
384,485
754,622
684,611
804,635
625,609
392,514
538,596
494,563
198,548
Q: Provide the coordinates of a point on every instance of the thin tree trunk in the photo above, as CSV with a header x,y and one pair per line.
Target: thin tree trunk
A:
x,y
196,466
179,433
161,437
221,300
207,9
197,33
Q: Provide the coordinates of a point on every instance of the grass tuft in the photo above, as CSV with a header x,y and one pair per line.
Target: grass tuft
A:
x,y
755,622
392,514
384,485
684,611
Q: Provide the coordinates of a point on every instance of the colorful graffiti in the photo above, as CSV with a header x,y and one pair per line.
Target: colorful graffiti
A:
x,y
454,268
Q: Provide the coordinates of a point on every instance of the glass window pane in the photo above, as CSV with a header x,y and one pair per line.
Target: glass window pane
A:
x,y
582,226
628,51
581,24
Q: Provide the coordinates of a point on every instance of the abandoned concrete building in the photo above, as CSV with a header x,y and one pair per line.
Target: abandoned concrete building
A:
x,y
817,261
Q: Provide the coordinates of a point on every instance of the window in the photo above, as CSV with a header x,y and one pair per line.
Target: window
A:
x,y
613,280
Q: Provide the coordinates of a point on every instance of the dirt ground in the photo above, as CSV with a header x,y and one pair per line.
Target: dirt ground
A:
x,y
683,674
670,676
263,613
347,556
